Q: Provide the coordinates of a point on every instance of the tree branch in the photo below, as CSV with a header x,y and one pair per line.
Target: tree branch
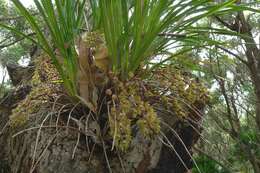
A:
x,y
229,26
233,54
16,41
4,19
5,39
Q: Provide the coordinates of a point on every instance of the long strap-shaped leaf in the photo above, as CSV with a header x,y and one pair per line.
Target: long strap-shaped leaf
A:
x,y
131,28
63,20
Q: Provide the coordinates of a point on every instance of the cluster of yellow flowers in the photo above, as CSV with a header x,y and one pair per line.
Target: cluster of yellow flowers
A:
x,y
179,92
132,106
44,86
94,39
129,110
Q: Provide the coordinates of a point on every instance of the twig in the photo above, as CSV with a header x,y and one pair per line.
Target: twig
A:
x,y
233,54
3,19
16,41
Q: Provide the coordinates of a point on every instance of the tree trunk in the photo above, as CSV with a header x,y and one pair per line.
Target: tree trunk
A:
x,y
38,147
